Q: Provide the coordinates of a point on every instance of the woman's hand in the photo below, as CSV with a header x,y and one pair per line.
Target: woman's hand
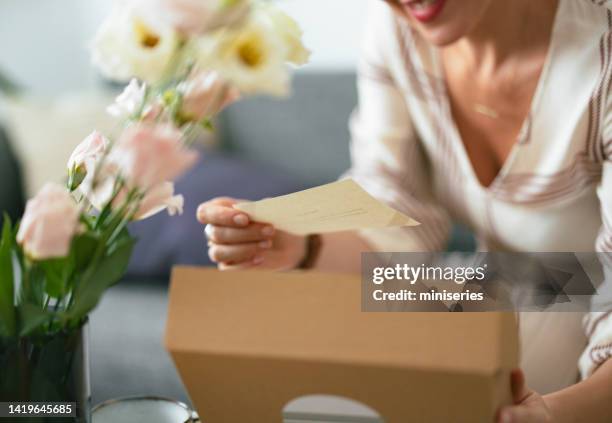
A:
x,y
529,406
237,243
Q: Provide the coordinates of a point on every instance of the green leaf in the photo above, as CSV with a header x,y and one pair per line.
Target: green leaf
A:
x,y
84,247
31,318
121,237
97,280
57,273
7,288
104,214
33,286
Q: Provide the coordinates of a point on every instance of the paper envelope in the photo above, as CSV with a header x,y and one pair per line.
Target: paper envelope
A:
x,y
335,207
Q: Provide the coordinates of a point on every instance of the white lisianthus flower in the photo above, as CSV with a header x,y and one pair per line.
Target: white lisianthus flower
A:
x,y
252,58
130,46
129,101
289,31
195,17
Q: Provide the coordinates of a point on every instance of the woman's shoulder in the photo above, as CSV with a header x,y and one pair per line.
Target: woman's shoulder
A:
x,y
591,14
381,19
381,31
606,4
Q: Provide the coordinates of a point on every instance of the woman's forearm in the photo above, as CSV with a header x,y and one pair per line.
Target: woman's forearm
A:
x,y
587,401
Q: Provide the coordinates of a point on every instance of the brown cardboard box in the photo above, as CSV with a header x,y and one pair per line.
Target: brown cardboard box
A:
x,y
247,343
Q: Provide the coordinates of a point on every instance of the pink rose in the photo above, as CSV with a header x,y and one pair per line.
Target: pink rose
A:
x,y
147,155
49,223
205,95
197,16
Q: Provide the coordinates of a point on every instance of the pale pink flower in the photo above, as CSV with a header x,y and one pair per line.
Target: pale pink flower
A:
x,y
84,159
147,155
100,192
129,101
205,95
147,158
88,152
157,199
49,223
160,197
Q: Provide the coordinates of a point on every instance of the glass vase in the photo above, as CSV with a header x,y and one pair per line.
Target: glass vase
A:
x,y
48,369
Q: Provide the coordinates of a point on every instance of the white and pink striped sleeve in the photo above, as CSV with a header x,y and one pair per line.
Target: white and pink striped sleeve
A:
x,y
598,324
387,158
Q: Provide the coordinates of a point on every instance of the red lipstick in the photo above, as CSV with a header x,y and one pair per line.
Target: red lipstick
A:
x,y
424,10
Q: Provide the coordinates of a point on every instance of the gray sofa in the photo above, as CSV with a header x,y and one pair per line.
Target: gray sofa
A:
x,y
269,147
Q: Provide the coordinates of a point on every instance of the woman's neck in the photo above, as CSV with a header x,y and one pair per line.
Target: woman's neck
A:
x,y
508,27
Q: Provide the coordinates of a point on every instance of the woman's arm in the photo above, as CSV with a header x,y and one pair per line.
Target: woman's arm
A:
x,y
591,399
587,401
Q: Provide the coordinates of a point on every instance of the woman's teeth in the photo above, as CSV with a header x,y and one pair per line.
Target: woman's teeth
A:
x,y
423,4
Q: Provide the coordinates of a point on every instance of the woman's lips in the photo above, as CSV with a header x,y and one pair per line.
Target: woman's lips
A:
x,y
424,10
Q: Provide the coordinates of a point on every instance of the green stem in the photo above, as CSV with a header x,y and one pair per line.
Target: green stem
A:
x,y
119,218
47,301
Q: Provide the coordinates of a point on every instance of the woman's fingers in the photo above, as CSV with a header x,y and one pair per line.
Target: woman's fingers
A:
x,y
238,254
524,414
221,212
228,235
242,266
234,241
529,406
518,387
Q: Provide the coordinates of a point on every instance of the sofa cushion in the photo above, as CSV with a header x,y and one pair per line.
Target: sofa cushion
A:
x,y
306,134
165,241
61,123
11,186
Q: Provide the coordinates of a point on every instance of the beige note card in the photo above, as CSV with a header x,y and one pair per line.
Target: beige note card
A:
x,y
339,206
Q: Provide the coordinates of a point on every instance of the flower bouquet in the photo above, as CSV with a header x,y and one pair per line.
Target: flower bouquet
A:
x,y
187,60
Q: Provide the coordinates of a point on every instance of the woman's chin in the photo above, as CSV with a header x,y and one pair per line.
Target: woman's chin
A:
x,y
440,37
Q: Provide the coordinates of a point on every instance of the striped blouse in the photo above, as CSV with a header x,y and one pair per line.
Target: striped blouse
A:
x,y
553,193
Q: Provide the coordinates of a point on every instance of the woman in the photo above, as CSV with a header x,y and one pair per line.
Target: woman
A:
x,y
494,113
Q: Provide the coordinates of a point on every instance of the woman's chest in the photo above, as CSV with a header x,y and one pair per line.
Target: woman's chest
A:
x,y
489,110
540,144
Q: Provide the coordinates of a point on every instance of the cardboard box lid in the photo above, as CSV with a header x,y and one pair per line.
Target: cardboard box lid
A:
x,y
246,344
318,317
